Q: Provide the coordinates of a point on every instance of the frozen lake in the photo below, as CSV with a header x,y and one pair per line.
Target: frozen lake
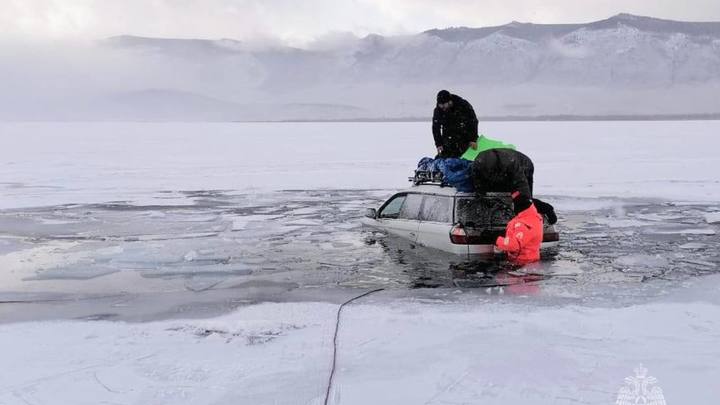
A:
x,y
47,164
103,223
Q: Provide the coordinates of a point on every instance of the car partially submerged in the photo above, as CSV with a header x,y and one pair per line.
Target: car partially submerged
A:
x,y
440,217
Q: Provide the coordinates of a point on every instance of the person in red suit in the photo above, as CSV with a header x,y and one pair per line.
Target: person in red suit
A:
x,y
524,233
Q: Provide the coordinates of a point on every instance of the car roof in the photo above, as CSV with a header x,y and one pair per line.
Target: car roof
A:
x,y
436,189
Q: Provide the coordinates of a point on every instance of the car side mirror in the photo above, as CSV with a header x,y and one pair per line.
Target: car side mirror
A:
x,y
371,213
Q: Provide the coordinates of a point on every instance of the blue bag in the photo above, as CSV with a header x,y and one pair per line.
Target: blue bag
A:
x,y
457,173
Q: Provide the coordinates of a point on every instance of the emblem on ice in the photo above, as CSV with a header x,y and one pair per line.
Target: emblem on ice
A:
x,y
640,390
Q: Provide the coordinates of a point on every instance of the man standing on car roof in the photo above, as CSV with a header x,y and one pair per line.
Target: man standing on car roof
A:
x,y
455,126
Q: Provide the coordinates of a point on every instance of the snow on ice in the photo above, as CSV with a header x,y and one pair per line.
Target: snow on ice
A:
x,y
61,163
390,352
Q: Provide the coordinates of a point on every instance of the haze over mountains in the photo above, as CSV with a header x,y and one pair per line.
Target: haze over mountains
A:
x,y
624,65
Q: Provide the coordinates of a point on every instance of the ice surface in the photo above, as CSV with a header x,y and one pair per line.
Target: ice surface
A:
x,y
620,223
403,352
158,222
693,245
641,260
154,163
692,231
712,217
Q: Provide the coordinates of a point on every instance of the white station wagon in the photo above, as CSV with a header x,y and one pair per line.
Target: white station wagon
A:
x,y
443,218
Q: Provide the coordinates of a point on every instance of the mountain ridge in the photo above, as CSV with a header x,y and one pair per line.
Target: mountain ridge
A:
x,y
646,23
636,21
625,65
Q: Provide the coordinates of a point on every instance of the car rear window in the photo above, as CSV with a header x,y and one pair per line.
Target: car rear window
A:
x,y
484,211
437,208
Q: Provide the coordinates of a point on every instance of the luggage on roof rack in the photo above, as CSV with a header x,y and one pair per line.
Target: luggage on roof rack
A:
x,y
444,172
429,171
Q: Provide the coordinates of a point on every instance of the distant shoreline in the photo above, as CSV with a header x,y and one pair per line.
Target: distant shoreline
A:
x,y
490,118
511,118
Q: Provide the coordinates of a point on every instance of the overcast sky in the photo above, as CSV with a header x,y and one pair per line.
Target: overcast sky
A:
x,y
300,21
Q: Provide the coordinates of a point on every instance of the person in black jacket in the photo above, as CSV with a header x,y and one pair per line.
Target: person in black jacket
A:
x,y
455,126
507,170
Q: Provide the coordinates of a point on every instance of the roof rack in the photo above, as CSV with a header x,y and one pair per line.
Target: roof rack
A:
x,y
428,177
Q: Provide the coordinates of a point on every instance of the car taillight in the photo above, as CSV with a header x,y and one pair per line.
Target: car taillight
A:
x,y
458,235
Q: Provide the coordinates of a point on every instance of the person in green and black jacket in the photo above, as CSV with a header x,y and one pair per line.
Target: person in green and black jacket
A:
x,y
455,125
507,170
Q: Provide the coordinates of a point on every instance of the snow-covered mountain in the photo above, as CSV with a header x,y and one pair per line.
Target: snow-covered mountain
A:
x,y
622,65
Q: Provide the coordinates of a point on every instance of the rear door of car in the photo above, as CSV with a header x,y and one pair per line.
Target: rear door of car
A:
x,y
400,215
484,218
436,218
